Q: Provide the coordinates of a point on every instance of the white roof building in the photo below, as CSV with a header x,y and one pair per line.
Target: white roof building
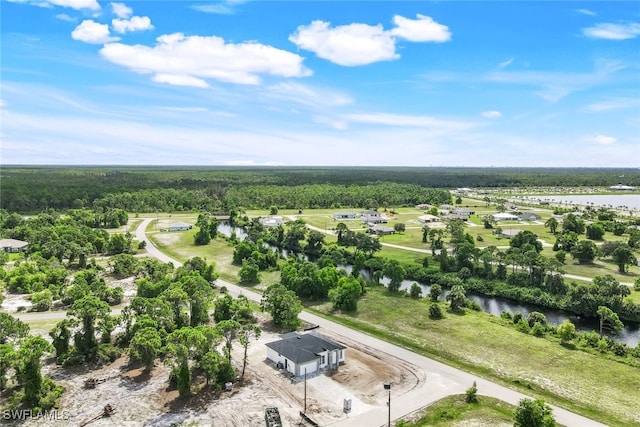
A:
x,y
504,216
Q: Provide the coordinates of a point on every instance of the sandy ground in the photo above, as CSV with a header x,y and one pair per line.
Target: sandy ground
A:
x,y
145,400
13,301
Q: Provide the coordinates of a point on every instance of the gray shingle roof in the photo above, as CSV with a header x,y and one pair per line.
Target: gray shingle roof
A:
x,y
12,243
302,348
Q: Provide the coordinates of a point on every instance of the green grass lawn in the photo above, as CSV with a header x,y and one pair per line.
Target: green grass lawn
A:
x,y
600,268
454,411
481,343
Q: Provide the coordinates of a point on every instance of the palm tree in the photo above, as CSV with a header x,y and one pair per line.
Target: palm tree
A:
x,y
552,223
341,228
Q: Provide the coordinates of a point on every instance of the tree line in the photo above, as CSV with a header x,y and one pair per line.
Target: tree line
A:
x,y
137,189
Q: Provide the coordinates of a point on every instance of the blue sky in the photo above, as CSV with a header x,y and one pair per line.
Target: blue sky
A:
x,y
383,83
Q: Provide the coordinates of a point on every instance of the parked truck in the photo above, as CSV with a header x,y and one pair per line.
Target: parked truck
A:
x,y
272,417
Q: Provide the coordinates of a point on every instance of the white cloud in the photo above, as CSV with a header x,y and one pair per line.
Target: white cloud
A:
x,y
66,18
613,104
333,122
492,114
361,44
201,57
90,31
587,12
77,4
348,45
409,121
423,29
505,64
600,139
610,31
227,7
179,80
72,4
308,95
121,10
136,23
554,86
218,9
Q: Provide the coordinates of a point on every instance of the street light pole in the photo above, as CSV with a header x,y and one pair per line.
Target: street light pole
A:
x,y
387,386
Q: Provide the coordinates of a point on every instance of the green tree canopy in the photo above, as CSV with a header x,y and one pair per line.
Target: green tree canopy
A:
x,y
11,328
283,305
533,413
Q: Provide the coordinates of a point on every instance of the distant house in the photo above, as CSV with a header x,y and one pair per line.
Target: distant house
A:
x,y
13,245
620,187
529,216
372,216
504,216
509,234
341,216
427,219
380,230
310,352
180,226
271,221
424,206
464,211
453,216
447,207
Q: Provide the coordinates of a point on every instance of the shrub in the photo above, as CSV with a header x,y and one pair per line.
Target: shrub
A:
x,y
435,311
42,301
536,317
517,317
472,305
51,392
471,395
108,353
506,315
435,292
73,358
523,326
538,329
415,291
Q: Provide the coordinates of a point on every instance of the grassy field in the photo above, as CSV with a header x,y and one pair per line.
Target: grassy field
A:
x,y
481,343
180,246
454,411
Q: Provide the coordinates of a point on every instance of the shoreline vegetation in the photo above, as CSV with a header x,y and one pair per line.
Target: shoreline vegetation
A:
x,y
94,208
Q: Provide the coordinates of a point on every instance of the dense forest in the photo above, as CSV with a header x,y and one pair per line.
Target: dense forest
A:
x,y
164,188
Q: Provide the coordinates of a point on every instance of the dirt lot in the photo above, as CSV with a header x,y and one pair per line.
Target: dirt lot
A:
x,y
145,400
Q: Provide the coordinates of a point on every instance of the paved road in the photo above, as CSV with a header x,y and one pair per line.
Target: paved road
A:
x,y
442,380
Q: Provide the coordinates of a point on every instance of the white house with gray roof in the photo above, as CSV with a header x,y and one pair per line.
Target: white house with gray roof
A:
x,y
297,352
13,245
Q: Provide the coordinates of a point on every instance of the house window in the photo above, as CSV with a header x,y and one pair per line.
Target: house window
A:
x,y
322,360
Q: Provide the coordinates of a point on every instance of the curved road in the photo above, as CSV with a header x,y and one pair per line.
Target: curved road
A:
x,y
442,380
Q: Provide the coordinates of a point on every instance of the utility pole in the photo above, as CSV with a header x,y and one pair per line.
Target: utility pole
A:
x,y
305,390
387,386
